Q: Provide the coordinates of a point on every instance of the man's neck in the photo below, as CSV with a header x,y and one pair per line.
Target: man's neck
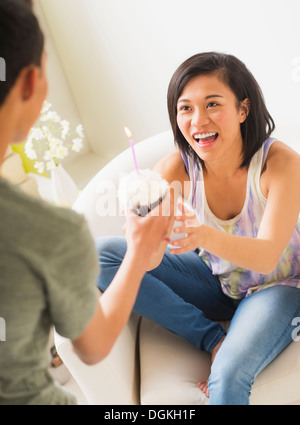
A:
x,y
6,135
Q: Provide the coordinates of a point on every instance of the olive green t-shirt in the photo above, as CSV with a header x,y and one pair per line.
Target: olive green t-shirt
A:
x,y
48,273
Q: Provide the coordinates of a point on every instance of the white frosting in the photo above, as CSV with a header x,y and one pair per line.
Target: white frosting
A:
x,y
144,189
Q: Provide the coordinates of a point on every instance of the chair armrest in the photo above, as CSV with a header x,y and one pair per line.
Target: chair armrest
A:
x,y
114,380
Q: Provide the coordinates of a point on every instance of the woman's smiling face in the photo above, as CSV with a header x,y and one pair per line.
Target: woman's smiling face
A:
x,y
209,117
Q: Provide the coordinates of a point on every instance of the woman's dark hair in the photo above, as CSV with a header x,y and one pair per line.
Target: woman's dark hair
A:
x,y
258,125
21,41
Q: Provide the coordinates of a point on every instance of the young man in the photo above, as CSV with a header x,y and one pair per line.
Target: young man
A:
x,y
48,262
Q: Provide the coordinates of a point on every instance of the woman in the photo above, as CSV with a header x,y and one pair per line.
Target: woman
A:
x,y
238,255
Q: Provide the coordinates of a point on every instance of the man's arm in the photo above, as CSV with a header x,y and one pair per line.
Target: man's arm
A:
x,y
144,235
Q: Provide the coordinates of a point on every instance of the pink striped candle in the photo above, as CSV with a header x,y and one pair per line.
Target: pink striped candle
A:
x,y
131,142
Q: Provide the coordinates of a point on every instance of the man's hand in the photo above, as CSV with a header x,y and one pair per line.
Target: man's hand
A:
x,y
144,235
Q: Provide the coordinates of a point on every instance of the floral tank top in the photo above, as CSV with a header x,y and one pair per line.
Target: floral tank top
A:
x,y
238,282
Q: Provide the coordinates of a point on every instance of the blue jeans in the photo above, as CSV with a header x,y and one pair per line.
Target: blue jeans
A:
x,y
184,297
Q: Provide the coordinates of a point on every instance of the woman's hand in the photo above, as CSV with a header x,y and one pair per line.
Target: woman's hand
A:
x,y
192,229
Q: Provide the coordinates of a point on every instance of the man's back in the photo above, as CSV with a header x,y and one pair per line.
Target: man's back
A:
x,y
48,270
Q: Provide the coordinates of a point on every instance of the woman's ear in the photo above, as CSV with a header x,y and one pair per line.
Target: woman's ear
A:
x,y
245,109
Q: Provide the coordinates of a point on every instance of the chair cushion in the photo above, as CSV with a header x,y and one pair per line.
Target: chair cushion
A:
x,y
171,369
114,380
279,382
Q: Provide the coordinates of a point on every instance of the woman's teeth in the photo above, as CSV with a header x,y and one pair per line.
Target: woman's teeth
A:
x,y
205,137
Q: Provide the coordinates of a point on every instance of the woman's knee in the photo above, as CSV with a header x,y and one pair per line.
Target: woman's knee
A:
x,y
111,248
111,251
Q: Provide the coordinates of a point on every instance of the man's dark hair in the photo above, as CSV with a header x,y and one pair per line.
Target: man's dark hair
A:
x,y
21,41
258,125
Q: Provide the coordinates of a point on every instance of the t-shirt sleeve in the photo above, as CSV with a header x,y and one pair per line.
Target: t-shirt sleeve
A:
x,y
72,273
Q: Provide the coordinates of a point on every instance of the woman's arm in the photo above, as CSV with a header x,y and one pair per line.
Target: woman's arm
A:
x,y
280,183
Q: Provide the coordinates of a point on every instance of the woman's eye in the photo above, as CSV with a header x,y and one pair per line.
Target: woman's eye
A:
x,y
185,108
212,104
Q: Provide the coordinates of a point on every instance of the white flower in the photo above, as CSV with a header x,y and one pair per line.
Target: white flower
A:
x,y
79,131
77,145
46,106
50,141
40,166
36,134
61,152
46,132
65,128
29,151
51,116
31,154
48,155
54,142
50,165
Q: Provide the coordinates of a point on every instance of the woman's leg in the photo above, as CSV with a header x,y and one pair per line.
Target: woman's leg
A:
x,y
181,294
260,329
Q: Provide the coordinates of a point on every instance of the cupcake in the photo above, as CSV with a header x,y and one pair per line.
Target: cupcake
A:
x,y
142,192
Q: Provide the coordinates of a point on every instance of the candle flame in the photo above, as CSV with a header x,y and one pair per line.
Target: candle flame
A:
x,y
128,132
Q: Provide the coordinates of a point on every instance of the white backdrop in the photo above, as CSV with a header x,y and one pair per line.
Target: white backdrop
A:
x,y
119,56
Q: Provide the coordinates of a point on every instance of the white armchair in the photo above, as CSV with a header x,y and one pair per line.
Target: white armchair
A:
x,y
148,364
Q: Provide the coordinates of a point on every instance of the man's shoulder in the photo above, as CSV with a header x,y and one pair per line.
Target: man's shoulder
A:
x,y
26,214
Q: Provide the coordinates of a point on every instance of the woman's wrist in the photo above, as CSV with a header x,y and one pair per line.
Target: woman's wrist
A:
x,y
203,235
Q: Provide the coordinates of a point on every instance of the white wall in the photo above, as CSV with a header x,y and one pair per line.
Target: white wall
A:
x,y
119,56
59,93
